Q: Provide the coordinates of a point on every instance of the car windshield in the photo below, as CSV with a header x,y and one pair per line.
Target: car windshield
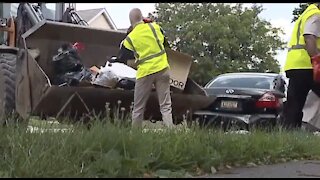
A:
x,y
236,81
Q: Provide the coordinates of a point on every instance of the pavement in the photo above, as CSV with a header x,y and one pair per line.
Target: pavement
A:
x,y
298,169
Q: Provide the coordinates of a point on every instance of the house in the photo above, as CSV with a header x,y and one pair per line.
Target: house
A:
x,y
98,18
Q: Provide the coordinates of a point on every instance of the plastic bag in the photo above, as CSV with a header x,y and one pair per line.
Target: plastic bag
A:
x,y
106,77
126,84
67,60
311,110
114,75
68,67
74,78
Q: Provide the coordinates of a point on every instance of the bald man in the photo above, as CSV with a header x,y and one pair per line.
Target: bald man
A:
x,y
146,43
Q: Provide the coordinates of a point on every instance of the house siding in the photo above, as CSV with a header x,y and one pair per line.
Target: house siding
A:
x,y
100,22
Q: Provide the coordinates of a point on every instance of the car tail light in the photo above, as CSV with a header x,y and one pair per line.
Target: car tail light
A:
x,y
268,100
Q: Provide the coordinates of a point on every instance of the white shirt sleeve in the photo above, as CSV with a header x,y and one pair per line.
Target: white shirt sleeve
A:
x,y
312,26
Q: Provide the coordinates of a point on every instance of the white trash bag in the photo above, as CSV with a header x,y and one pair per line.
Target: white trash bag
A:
x,y
311,110
112,73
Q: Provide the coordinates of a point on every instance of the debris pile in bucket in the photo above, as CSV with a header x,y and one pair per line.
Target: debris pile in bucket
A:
x,y
114,75
70,71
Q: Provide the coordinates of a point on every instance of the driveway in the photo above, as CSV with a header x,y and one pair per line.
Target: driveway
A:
x,y
298,169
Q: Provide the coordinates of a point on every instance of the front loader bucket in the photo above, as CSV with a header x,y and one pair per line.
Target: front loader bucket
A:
x,y
36,95
75,101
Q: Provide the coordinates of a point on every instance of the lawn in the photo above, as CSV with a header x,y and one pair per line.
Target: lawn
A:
x,y
108,150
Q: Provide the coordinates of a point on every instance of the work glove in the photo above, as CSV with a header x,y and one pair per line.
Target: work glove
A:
x,y
147,20
316,68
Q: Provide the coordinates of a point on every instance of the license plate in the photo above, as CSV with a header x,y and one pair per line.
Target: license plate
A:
x,y
229,104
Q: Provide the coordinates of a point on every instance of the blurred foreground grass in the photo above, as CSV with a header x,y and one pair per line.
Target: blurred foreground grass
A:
x,y
107,150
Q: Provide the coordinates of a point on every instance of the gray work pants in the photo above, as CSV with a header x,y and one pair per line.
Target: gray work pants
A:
x,y
142,91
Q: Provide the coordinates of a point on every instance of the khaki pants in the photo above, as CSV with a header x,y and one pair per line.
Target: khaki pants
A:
x,y
142,92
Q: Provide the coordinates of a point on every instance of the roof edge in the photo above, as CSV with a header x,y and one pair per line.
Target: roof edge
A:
x,y
106,14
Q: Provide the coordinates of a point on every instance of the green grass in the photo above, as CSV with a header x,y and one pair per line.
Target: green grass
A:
x,y
107,150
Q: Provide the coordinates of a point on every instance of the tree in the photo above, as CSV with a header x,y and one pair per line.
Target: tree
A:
x,y
221,38
297,11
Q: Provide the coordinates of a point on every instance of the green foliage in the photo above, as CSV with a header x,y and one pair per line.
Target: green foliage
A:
x,y
220,37
299,10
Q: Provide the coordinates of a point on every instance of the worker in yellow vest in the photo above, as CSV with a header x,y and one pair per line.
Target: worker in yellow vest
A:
x,y
146,43
304,44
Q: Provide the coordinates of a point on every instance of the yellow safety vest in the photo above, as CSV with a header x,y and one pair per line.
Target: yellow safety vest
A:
x,y
146,41
298,57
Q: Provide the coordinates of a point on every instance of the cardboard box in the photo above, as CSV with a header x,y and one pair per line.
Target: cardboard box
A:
x,y
180,65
